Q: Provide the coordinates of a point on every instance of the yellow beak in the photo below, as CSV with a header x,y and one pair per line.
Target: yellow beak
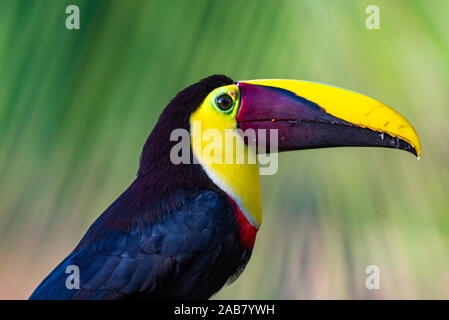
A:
x,y
353,108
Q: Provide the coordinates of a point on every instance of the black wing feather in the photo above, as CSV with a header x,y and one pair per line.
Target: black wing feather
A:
x,y
170,253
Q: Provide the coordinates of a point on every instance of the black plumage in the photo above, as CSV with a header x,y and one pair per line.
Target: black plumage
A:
x,y
172,234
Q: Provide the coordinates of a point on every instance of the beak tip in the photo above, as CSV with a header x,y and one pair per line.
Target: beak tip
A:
x,y
417,146
414,149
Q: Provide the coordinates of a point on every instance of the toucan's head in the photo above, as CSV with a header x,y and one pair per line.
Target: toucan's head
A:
x,y
307,115
304,114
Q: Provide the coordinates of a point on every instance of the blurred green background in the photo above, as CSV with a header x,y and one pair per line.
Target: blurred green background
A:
x,y
77,105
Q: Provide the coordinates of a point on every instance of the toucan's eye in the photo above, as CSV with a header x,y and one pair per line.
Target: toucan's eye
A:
x,y
224,102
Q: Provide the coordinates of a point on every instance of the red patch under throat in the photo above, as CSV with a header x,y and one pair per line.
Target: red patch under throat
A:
x,y
247,230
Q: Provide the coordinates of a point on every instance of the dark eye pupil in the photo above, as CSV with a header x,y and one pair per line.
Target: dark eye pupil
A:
x,y
224,102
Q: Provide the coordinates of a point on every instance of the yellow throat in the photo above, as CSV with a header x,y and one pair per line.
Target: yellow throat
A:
x,y
220,149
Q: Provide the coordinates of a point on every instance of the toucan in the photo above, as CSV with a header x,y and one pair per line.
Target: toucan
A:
x,y
182,230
